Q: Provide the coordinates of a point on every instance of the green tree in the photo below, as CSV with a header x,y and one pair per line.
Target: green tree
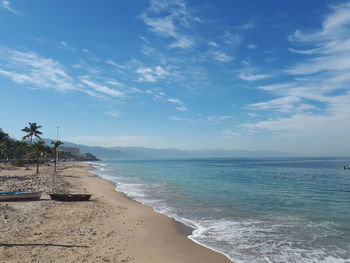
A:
x,y
56,145
32,130
39,150
5,141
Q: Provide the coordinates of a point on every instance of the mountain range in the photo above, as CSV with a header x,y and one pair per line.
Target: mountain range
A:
x,y
152,153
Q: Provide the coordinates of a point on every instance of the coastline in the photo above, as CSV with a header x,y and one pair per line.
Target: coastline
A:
x,y
183,228
109,228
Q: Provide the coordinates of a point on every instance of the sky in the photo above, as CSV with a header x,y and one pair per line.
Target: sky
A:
x,y
187,74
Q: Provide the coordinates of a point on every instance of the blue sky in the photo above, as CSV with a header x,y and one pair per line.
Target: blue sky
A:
x,y
254,75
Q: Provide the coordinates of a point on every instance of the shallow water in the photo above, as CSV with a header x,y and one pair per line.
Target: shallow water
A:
x,y
252,210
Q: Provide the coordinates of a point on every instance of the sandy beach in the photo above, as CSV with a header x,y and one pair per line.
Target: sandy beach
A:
x,y
109,228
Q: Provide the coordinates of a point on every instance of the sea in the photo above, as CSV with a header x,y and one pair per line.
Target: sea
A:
x,y
253,210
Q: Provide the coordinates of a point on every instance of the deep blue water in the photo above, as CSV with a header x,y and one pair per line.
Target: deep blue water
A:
x,y
252,210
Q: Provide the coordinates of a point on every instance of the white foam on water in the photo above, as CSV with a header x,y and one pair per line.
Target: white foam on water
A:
x,y
255,241
134,191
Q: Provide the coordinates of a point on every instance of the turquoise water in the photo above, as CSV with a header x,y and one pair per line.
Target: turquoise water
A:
x,y
251,210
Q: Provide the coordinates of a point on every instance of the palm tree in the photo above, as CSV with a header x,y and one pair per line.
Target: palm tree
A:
x,y
56,144
32,130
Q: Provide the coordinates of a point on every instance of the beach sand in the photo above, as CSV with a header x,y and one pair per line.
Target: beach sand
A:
x,y
109,228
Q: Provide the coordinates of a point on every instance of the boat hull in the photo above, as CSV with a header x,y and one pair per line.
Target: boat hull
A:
x,y
70,197
14,196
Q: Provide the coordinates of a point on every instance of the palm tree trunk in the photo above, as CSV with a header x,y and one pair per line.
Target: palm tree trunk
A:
x,y
56,161
30,146
37,166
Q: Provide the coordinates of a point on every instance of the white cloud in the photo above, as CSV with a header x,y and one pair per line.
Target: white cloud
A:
x,y
252,114
277,87
219,118
32,69
329,46
220,56
182,42
253,77
177,101
175,118
213,44
181,108
173,25
315,102
101,88
316,126
65,46
232,38
115,83
113,114
283,104
6,5
147,74
115,64
28,68
162,26
252,46
230,133
246,26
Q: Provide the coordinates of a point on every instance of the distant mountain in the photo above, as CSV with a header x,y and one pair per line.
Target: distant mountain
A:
x,y
151,153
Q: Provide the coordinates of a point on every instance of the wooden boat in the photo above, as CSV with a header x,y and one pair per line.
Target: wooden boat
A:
x,y
25,195
70,197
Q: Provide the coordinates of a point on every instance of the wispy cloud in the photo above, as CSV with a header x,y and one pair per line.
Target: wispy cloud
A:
x,y
178,18
213,44
65,46
29,68
219,118
101,88
115,64
7,5
230,133
179,102
115,83
32,69
246,26
283,104
147,74
220,56
252,46
232,39
175,118
329,46
314,100
113,114
253,77
181,108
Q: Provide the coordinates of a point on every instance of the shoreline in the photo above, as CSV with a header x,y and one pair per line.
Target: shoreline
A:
x,y
183,228
110,228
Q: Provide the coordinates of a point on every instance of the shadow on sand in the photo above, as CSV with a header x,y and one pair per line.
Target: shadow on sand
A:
x,y
42,245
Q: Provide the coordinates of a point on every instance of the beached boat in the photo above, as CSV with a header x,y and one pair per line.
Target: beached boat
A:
x,y
25,195
70,197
